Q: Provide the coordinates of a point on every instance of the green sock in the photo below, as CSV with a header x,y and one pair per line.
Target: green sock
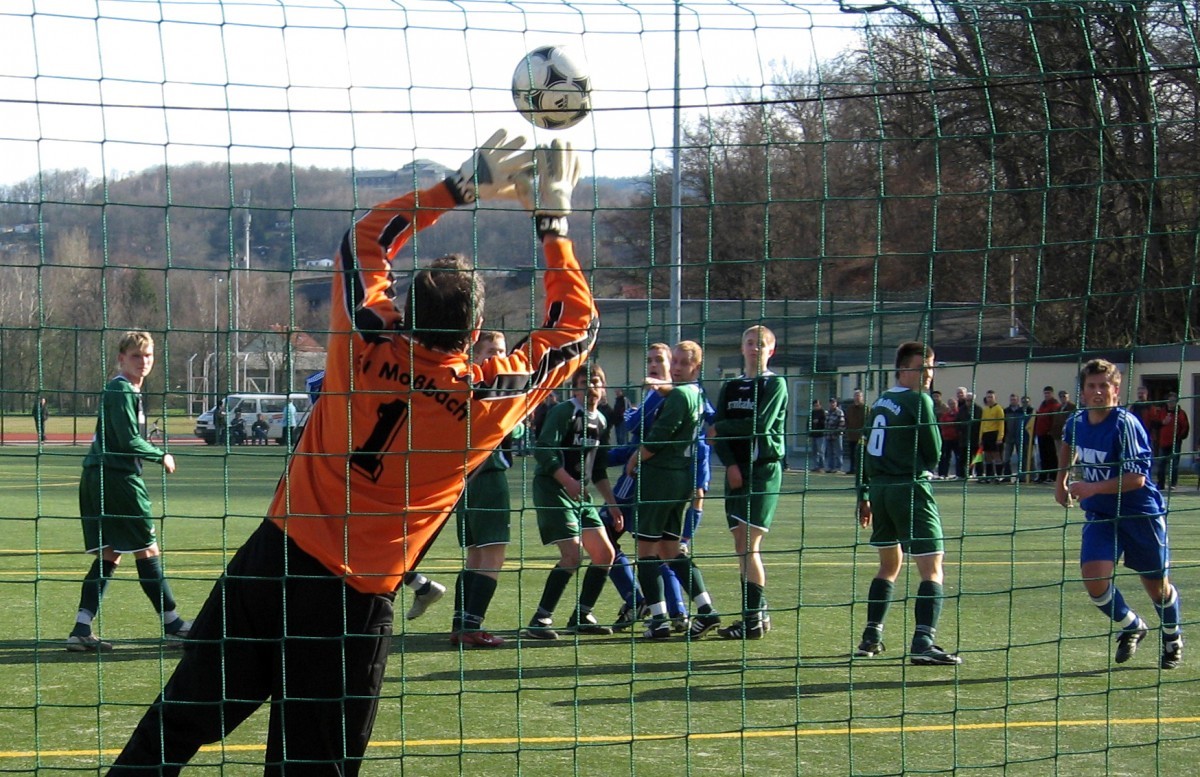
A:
x,y
93,587
689,575
754,600
556,583
479,595
928,611
879,599
461,584
650,580
154,584
593,585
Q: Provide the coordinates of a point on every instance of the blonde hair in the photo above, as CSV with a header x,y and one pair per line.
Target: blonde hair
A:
x,y
693,349
134,339
485,337
765,335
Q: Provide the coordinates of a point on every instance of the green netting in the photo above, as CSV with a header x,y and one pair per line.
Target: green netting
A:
x,y
1012,183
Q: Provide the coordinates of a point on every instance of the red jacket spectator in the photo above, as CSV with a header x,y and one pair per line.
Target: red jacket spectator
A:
x,y
1175,427
948,425
1043,421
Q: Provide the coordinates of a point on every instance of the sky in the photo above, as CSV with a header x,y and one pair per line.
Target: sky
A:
x,y
119,86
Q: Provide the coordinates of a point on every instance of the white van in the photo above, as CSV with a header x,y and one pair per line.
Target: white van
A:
x,y
271,406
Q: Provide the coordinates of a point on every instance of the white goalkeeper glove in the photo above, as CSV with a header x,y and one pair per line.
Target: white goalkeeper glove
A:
x,y
545,188
488,173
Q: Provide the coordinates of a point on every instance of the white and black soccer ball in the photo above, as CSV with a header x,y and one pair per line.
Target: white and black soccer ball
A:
x,y
551,88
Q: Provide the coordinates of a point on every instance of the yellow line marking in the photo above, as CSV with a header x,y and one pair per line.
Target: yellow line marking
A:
x,y
726,735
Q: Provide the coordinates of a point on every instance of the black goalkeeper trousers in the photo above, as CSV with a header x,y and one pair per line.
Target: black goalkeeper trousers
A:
x,y
321,675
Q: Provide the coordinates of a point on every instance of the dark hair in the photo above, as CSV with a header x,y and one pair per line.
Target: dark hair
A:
x,y
444,303
908,350
585,374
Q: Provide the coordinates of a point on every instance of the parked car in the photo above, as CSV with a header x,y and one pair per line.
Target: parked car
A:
x,y
272,406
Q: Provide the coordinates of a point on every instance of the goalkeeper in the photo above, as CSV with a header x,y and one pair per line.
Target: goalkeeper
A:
x,y
303,616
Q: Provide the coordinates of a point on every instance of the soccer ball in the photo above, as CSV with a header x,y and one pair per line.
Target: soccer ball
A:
x,y
551,88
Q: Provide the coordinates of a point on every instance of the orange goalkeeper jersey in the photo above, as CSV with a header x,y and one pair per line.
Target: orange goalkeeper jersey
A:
x,y
386,450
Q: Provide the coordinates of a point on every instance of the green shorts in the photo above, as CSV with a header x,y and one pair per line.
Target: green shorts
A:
x,y
559,517
116,512
904,513
484,511
660,513
754,503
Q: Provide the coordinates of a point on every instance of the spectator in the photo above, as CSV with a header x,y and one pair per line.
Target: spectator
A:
x,y
1064,412
1172,433
258,430
1148,413
40,413
962,466
948,427
835,425
1044,433
816,437
856,418
237,429
1016,437
939,406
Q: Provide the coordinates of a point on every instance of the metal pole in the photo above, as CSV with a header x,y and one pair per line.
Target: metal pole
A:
x,y
676,199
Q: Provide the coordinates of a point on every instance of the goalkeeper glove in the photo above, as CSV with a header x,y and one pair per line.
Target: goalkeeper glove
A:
x,y
488,173
545,188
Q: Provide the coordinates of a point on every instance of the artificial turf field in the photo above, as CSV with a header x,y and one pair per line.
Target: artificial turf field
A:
x,y
1037,693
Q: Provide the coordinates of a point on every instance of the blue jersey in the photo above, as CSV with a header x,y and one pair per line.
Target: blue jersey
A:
x,y
1106,450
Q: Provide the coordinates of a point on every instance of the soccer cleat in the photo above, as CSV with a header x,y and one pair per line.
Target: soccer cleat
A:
x,y
1128,640
87,643
587,625
742,630
934,656
539,629
765,618
177,630
1172,655
702,624
657,628
480,639
867,648
625,618
680,624
421,602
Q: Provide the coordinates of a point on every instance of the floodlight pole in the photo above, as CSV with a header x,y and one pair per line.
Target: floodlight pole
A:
x,y
676,313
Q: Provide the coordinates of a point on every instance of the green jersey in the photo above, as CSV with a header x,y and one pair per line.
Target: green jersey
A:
x,y
902,438
672,438
572,438
751,418
118,442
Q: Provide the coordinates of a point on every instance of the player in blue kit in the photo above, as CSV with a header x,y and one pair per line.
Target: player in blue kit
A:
x,y
1124,513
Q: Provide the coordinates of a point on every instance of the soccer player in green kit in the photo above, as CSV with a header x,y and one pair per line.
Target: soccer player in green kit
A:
x,y
666,459
748,438
114,503
484,518
571,460
895,499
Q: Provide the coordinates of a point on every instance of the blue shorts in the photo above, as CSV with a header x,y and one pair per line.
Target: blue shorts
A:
x,y
1141,539
703,464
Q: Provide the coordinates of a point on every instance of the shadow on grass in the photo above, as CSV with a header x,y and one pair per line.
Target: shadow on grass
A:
x,y
783,691
15,652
